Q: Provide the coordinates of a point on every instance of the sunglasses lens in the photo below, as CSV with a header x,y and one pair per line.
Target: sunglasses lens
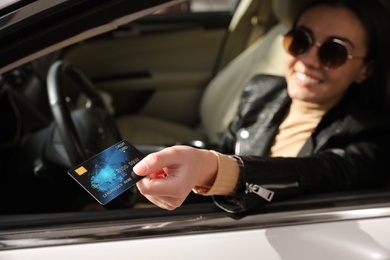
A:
x,y
296,42
332,54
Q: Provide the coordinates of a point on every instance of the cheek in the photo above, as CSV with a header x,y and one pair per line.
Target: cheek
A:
x,y
289,62
341,80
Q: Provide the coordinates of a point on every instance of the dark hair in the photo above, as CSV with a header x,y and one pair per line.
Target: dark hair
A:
x,y
375,18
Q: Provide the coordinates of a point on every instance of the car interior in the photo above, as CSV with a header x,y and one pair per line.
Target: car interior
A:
x,y
122,97
263,55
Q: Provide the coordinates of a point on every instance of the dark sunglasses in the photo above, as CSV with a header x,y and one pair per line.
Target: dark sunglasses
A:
x,y
332,53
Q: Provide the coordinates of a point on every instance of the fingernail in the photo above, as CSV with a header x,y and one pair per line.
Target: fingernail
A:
x,y
160,174
140,168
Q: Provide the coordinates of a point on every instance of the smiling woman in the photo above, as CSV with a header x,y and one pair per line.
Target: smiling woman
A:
x,y
52,68
323,127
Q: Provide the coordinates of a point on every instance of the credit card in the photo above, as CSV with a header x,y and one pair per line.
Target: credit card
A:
x,y
109,173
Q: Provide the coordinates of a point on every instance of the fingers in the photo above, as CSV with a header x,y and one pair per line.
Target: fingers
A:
x,y
165,202
163,192
172,173
156,161
159,174
174,186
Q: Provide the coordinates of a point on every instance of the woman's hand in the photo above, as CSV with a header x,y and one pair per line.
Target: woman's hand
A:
x,y
185,167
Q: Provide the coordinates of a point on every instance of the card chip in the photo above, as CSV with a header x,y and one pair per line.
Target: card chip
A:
x,y
81,170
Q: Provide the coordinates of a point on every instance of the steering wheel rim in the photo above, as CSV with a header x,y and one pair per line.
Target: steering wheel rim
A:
x,y
62,114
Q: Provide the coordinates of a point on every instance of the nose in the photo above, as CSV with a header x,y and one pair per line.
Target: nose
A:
x,y
311,57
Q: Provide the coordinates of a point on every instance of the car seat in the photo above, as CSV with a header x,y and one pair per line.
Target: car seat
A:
x,y
221,97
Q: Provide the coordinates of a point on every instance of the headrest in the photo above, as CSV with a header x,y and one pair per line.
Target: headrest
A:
x,y
286,10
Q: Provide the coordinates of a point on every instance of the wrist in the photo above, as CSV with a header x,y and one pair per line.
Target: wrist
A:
x,y
210,168
225,176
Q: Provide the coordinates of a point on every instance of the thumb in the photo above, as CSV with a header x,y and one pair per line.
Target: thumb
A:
x,y
141,168
169,157
150,164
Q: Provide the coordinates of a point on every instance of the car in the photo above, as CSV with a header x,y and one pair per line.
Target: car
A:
x,y
78,76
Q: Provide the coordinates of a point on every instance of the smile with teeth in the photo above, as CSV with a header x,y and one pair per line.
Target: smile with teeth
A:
x,y
306,79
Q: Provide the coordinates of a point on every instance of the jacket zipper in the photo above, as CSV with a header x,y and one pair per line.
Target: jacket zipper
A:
x,y
264,192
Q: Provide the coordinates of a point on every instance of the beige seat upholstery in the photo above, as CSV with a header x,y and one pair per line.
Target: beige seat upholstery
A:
x,y
154,131
221,97
223,92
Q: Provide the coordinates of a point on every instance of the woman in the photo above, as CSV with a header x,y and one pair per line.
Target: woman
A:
x,y
321,128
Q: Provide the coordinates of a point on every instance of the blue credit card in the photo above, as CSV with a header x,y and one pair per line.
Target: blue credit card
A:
x,y
109,173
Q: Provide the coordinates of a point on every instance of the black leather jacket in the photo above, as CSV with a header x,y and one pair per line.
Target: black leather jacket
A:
x,y
348,149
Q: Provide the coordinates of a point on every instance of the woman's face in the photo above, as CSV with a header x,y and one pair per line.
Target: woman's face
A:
x,y
307,79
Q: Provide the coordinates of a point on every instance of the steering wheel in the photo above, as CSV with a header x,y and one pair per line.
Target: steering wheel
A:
x,y
89,128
